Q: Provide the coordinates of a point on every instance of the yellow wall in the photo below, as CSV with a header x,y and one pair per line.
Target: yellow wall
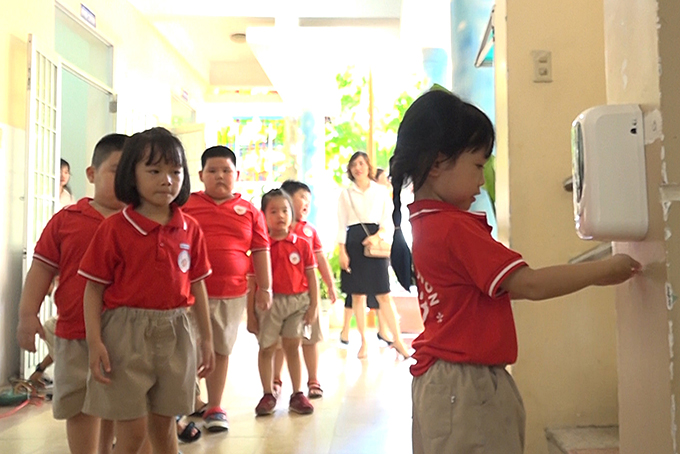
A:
x,y
566,369
641,42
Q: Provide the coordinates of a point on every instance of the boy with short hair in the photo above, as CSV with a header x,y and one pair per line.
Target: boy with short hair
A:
x,y
59,250
301,196
232,227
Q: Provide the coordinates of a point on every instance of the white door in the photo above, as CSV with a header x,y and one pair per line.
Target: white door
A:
x,y
42,165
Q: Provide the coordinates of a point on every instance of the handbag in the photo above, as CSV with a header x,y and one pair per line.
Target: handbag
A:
x,y
380,250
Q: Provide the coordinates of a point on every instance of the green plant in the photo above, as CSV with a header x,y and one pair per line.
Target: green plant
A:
x,y
334,262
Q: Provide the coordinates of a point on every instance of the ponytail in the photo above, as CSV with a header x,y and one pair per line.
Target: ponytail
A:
x,y
400,257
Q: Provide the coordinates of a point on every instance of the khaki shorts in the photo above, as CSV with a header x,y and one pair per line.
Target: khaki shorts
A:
x,y
463,408
283,319
49,327
226,316
153,365
71,367
316,335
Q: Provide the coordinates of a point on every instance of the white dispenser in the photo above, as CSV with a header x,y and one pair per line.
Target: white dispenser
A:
x,y
608,168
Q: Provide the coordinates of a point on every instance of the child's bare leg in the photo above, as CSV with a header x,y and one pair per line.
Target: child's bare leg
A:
x,y
216,380
291,346
146,447
265,366
163,434
278,364
359,308
106,436
82,432
130,435
311,355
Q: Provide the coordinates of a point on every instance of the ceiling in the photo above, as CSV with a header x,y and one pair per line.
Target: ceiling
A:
x,y
287,45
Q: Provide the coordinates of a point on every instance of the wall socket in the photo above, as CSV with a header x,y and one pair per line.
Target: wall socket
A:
x,y
542,65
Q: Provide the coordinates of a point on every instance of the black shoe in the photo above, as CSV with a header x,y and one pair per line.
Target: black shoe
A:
x,y
384,340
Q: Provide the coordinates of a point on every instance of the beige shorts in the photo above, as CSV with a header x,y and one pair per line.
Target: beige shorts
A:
x,y
316,334
284,318
71,368
153,365
463,408
49,327
226,316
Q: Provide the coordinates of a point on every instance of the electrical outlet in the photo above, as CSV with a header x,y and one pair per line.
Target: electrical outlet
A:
x,y
542,65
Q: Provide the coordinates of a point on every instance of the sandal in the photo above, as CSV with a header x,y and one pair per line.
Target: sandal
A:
x,y
315,390
276,388
199,411
190,433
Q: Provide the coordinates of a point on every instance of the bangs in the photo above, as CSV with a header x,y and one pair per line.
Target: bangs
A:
x,y
165,148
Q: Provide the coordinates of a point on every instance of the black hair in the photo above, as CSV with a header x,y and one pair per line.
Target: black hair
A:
x,y
355,156
438,122
291,187
108,144
64,163
274,193
218,151
160,144
379,171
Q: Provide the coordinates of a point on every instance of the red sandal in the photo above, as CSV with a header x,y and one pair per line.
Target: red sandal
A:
x,y
315,390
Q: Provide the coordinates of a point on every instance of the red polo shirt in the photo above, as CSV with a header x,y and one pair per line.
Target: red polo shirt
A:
x,y
305,230
145,264
459,270
231,229
62,245
291,258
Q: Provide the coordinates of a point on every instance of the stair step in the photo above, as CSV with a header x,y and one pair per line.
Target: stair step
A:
x,y
583,440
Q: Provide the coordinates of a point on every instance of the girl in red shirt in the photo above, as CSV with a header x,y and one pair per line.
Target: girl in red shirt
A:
x,y
463,398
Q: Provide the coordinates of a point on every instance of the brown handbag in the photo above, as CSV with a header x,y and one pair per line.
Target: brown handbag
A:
x,y
382,249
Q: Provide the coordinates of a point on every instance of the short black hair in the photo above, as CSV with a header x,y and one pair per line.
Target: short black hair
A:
x,y
160,144
108,144
64,163
274,193
355,156
291,187
218,151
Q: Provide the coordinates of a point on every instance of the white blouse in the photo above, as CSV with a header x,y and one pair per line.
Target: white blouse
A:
x,y
372,206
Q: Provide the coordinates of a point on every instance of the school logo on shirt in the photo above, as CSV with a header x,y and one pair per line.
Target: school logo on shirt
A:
x,y
184,261
240,210
307,231
294,258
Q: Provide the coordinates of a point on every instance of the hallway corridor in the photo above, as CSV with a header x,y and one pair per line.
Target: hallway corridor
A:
x,y
366,409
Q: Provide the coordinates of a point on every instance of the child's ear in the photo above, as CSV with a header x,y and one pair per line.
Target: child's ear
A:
x,y
238,174
90,174
200,176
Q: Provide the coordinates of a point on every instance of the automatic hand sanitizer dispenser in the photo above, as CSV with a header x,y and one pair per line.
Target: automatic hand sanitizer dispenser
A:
x,y
608,167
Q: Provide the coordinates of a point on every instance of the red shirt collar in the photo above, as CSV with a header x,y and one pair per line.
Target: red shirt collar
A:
x,y
236,197
145,225
291,238
421,208
83,206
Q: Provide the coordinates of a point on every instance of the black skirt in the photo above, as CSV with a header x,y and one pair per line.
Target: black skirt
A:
x,y
369,276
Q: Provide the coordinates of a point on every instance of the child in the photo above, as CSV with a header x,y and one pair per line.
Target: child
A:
x,y
232,227
145,266
295,302
59,250
463,398
301,196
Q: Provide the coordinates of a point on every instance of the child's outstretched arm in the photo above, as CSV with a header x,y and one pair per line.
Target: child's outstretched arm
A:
x,y
559,280
38,281
313,283
326,274
92,308
203,321
263,276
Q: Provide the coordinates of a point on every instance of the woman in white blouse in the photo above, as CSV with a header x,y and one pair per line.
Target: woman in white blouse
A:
x,y
368,203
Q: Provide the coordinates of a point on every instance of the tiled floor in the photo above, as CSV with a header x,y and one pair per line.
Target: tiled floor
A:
x,y
366,409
